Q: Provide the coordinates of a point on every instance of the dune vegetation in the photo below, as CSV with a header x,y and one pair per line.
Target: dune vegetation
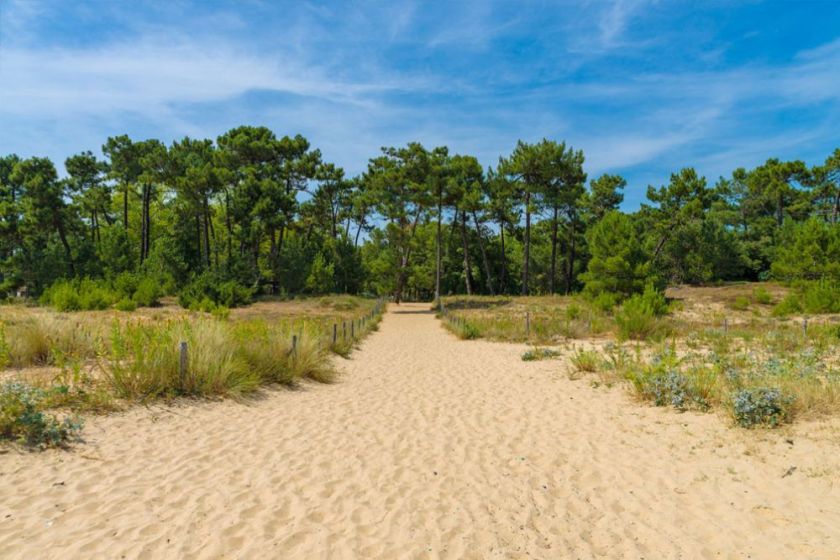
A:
x,y
726,348
61,365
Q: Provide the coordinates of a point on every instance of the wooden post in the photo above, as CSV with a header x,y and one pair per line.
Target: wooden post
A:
x,y
182,364
294,344
527,323
805,327
344,330
352,329
335,333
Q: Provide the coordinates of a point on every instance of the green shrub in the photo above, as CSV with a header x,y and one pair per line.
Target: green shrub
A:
x,y
741,303
573,312
761,406
637,316
762,296
605,301
22,417
789,305
211,287
125,284
820,297
586,360
63,296
147,292
76,295
125,304
664,382
536,354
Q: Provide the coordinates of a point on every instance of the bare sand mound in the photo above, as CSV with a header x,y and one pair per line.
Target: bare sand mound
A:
x,y
427,447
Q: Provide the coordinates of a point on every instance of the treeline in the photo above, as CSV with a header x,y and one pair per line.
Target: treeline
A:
x,y
252,213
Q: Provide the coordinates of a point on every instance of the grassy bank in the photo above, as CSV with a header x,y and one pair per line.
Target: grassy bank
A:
x,y
95,362
716,348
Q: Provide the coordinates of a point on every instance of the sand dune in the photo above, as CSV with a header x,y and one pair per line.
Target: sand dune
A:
x,y
428,447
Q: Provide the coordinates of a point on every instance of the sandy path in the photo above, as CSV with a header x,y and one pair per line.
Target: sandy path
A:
x,y
428,447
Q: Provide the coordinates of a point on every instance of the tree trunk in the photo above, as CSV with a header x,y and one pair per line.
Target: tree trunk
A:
x,y
229,228
437,248
571,257
125,207
483,254
359,231
402,274
67,252
526,259
465,242
552,279
503,276
206,212
780,211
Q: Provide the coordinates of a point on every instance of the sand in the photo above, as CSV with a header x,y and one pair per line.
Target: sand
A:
x,y
427,447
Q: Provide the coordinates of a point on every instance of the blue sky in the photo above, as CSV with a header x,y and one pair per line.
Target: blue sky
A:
x,y
643,87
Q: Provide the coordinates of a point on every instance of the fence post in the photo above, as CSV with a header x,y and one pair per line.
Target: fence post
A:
x,y
352,329
527,323
805,327
182,364
335,333
344,330
294,344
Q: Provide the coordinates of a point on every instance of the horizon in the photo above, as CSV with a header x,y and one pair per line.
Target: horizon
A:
x,y
643,88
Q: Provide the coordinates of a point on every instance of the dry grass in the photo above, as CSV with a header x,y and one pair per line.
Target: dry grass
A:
x,y
718,348
98,361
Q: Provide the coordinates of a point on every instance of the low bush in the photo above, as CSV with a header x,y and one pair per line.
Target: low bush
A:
x,y
147,293
665,382
79,295
741,303
761,406
605,301
23,419
636,319
209,288
536,354
586,361
762,296
789,305
820,297
125,304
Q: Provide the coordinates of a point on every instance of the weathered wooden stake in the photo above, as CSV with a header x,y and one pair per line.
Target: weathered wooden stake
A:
x,y
352,329
527,323
182,364
344,330
294,344
805,326
335,333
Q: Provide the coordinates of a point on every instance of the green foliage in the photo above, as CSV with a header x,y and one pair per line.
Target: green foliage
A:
x,y
76,295
320,279
811,298
762,296
586,360
536,354
638,317
809,251
664,382
208,291
761,405
618,265
125,304
741,303
23,419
